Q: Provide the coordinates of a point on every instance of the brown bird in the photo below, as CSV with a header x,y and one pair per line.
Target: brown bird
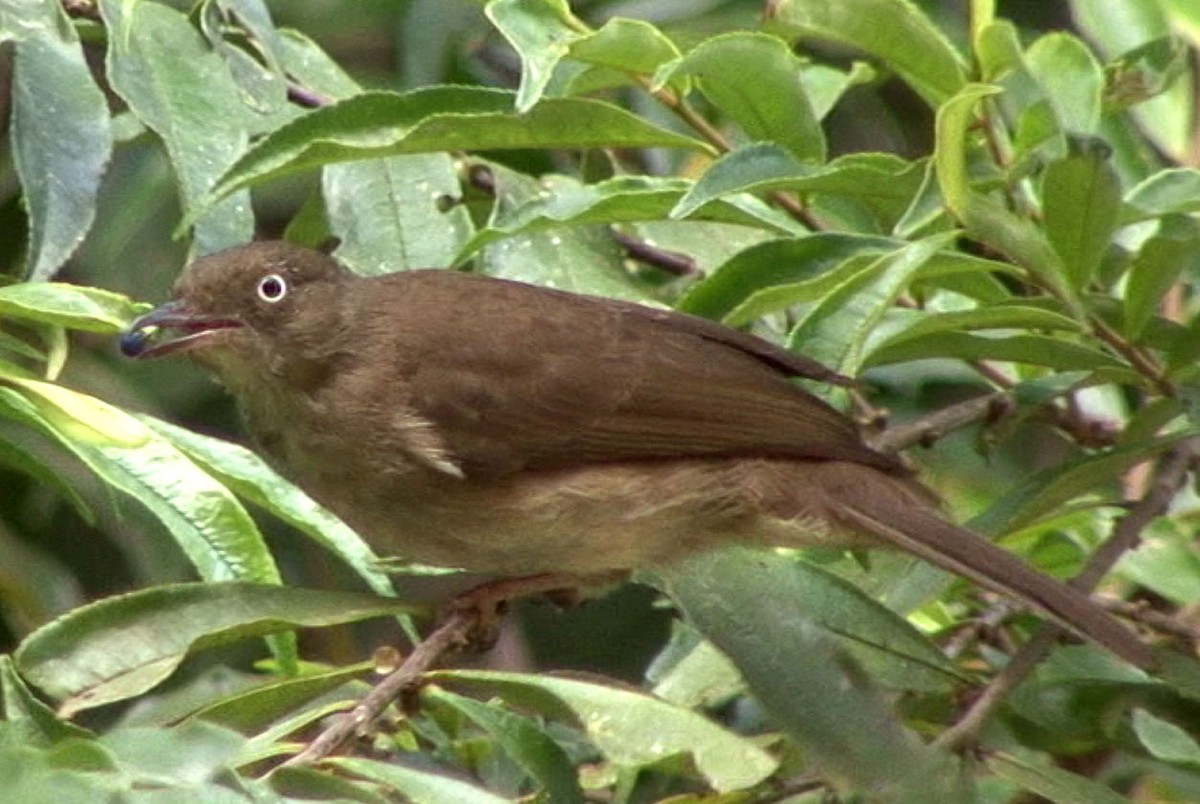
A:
x,y
510,429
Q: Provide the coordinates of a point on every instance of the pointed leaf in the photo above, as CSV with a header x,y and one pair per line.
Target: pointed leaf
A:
x,y
70,306
793,666
416,785
122,646
1081,201
894,31
542,32
754,79
183,91
631,728
522,740
835,329
250,477
438,118
59,148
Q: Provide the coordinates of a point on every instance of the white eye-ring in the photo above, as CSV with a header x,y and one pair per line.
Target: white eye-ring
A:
x,y
272,288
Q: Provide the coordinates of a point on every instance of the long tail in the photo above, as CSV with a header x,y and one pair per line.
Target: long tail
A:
x,y
922,532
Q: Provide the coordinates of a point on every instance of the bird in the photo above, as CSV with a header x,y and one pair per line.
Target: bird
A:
x,y
505,428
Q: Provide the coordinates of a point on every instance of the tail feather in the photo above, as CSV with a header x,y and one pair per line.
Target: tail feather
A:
x,y
923,533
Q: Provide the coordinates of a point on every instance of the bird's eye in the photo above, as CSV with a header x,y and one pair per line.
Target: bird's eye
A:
x,y
272,288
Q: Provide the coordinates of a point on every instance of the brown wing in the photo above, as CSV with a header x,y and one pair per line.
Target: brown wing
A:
x,y
515,377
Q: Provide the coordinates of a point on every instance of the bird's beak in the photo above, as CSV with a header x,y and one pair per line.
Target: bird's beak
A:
x,y
175,326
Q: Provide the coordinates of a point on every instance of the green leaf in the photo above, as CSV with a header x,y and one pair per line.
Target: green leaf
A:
x,y
70,306
1166,563
416,785
438,118
1081,202
632,729
623,199
16,457
984,218
387,213
1164,740
305,61
522,740
581,259
1176,190
1014,315
1055,784
247,475
794,668
753,79
1071,80
884,183
205,519
631,46
776,262
183,91
1034,350
691,672
894,31
121,646
30,719
542,32
258,707
835,329
1172,252
1046,490
1120,27
59,148
185,756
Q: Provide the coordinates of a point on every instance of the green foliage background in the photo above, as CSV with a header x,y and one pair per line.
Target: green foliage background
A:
x,y
993,202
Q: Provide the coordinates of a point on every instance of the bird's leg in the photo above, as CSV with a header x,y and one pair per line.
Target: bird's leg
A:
x,y
487,601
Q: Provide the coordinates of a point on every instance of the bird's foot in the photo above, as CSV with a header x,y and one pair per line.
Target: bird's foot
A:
x,y
487,602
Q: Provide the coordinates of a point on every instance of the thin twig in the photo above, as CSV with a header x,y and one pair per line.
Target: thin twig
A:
x,y
930,428
453,633
1169,475
1164,623
670,261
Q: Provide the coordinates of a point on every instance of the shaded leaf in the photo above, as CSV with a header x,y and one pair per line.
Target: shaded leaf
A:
x,y
122,646
1081,198
418,786
1043,491
630,728
623,199
1055,784
792,665
522,740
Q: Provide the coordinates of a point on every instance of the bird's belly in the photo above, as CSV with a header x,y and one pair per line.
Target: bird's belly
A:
x,y
586,520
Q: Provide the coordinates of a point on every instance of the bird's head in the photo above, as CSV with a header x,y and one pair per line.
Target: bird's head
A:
x,y
234,301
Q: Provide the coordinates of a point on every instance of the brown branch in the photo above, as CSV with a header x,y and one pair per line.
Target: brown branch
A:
x,y
1169,476
453,633
469,615
933,426
1164,623
670,261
